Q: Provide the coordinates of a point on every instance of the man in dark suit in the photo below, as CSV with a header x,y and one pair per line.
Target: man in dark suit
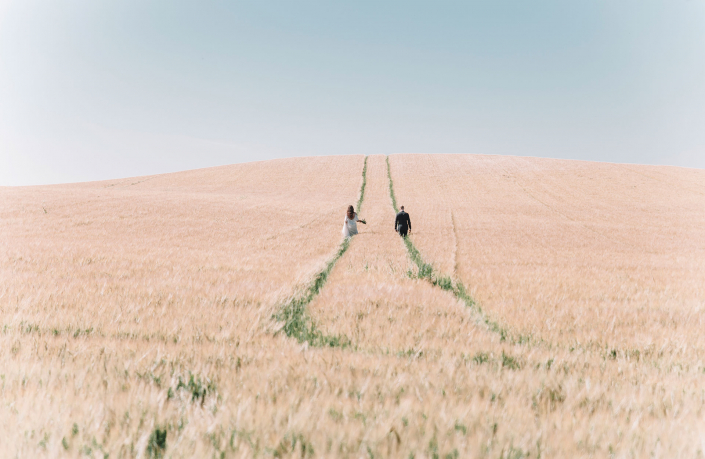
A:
x,y
402,224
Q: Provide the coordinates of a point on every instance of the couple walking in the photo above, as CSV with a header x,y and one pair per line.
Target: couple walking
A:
x,y
402,223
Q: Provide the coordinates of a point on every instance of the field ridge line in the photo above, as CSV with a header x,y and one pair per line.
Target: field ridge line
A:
x,y
297,323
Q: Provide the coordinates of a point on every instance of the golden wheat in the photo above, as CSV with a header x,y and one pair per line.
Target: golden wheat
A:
x,y
572,252
556,401
117,331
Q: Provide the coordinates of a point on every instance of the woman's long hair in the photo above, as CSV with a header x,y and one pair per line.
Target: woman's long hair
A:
x,y
351,212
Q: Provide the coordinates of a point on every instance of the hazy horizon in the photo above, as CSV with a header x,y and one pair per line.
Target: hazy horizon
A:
x,y
130,88
126,177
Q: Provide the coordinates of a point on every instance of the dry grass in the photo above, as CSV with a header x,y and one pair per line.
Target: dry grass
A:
x,y
119,276
120,331
572,252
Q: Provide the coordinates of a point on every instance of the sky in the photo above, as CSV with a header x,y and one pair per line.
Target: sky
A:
x,y
118,88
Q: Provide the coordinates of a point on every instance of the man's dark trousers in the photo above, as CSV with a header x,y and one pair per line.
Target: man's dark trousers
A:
x,y
403,231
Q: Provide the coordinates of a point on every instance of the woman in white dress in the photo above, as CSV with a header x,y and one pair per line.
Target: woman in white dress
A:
x,y
350,224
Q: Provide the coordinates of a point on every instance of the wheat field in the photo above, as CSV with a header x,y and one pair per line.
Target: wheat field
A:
x,y
540,308
576,253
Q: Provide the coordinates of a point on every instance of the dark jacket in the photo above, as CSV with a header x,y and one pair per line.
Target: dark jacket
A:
x,y
402,221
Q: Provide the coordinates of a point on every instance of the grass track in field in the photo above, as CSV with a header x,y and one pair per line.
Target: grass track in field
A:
x,y
297,323
427,272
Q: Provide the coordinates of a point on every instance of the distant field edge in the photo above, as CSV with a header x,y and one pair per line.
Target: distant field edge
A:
x,y
296,321
438,279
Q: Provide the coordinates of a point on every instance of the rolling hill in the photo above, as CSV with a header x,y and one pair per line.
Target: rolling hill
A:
x,y
540,308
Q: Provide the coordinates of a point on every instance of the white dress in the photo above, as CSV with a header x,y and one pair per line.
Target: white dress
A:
x,y
350,226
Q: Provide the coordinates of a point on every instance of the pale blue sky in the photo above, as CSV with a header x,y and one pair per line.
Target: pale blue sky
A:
x,y
104,89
